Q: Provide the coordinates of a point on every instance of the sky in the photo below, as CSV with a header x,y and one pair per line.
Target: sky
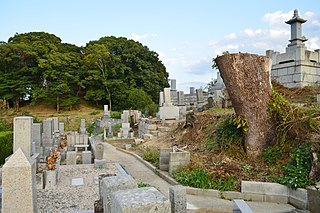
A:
x,y
186,34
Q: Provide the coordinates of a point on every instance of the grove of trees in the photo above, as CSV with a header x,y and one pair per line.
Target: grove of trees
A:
x,y
38,67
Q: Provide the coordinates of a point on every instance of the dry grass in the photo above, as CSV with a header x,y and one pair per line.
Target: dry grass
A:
x,y
42,111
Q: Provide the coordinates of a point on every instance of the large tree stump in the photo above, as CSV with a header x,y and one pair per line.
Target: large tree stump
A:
x,y
247,79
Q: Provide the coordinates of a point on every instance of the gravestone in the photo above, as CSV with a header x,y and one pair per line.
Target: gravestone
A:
x,y
181,98
199,96
61,128
106,114
99,151
247,79
36,136
168,111
83,129
71,158
110,132
167,97
55,124
86,157
22,134
161,99
125,129
19,184
47,139
192,91
125,116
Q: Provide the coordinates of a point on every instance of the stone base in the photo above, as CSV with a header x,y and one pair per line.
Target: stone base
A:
x,y
98,163
50,179
140,200
169,113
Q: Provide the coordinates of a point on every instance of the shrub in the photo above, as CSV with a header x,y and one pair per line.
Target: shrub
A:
x,y
297,170
4,126
6,139
200,178
151,155
229,134
115,115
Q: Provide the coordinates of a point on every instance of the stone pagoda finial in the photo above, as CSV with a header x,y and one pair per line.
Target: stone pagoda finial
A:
x,y
296,30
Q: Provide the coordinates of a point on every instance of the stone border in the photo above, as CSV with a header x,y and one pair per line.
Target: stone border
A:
x,y
250,190
157,171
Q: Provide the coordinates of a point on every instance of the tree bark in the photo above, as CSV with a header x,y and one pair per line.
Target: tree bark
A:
x,y
247,79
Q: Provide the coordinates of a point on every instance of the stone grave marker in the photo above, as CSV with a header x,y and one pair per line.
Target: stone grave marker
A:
x,y
22,134
19,184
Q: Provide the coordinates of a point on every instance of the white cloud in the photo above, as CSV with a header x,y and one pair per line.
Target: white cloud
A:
x,y
274,35
137,37
231,36
251,32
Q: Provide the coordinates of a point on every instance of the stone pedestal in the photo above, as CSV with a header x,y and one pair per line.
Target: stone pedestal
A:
x,y
169,113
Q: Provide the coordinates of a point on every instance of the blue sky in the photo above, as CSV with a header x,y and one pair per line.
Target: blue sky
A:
x,y
187,34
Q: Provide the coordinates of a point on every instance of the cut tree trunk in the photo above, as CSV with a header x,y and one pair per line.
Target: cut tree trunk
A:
x,y
247,79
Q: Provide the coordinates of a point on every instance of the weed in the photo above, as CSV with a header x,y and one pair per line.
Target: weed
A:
x,y
151,155
142,185
94,113
297,170
228,134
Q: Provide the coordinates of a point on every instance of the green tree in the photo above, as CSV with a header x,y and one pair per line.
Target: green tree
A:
x,y
17,63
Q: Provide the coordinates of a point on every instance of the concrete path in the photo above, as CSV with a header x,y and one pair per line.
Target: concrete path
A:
x,y
143,174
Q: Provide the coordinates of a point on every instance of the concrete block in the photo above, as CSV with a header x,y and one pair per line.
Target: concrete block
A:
x,y
299,198
140,200
50,178
231,195
313,199
253,197
71,158
113,184
86,157
264,188
179,156
203,192
178,199
276,198
152,127
98,163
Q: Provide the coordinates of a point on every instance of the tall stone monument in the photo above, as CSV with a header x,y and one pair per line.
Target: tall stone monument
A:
x,y
298,66
19,184
168,111
247,79
22,134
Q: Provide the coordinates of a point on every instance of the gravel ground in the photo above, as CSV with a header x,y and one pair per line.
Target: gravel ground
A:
x,y
72,198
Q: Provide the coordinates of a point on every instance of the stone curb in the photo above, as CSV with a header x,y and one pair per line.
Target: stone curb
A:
x,y
160,173
301,203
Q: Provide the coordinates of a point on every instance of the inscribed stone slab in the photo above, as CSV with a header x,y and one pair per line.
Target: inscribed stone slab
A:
x,y
22,134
